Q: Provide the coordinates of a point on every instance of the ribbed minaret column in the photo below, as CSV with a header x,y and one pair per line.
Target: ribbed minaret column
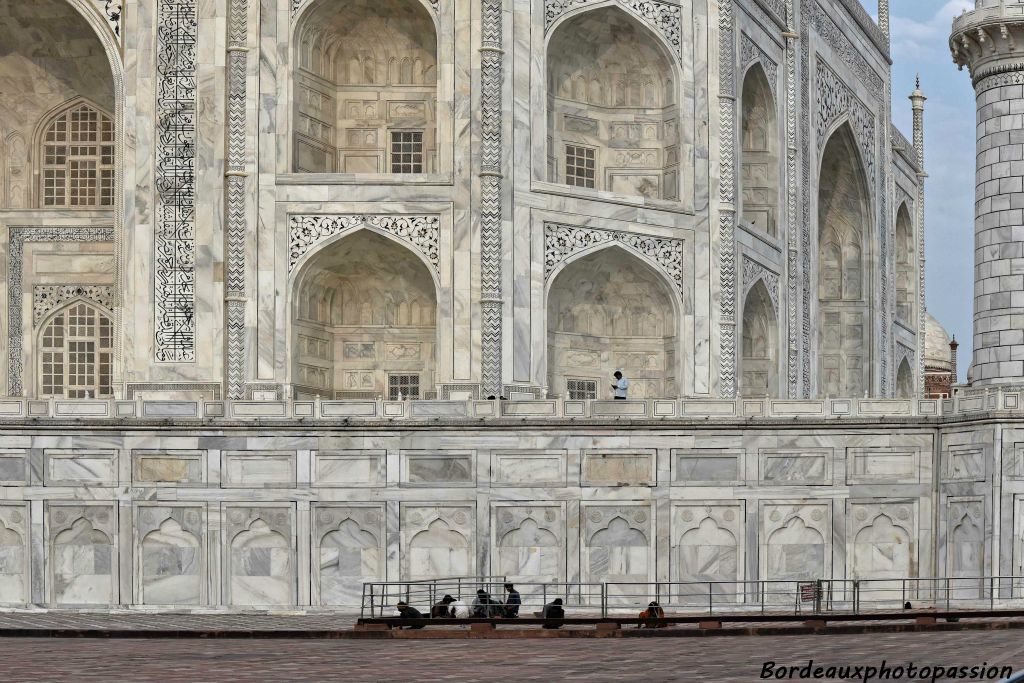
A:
x,y
883,17
988,42
917,100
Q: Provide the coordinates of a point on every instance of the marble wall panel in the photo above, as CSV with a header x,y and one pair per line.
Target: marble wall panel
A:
x,y
708,545
882,466
438,468
618,546
344,468
14,467
528,542
708,467
634,467
794,468
965,537
268,469
963,463
82,558
166,468
528,467
437,541
348,549
14,553
882,547
71,467
795,540
170,554
260,564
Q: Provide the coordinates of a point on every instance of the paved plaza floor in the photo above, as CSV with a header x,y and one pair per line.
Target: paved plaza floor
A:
x,y
717,659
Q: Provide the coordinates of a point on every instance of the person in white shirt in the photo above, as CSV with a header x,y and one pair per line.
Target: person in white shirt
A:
x,y
459,609
621,386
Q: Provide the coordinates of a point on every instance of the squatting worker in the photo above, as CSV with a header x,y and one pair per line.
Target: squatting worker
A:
x,y
620,387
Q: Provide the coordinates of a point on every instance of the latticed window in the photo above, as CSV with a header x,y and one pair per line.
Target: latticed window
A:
x,y
581,389
78,159
76,352
407,151
406,385
580,166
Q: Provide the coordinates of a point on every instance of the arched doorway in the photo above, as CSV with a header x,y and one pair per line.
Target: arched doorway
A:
x,y
610,311
365,88
759,177
759,372
613,121
364,321
844,285
905,380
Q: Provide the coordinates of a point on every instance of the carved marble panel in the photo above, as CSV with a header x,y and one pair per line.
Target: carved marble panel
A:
x,y
963,463
437,541
172,467
707,467
14,466
421,232
707,545
795,541
349,549
881,542
82,554
260,562
618,545
795,468
170,554
882,466
79,467
47,298
267,469
529,542
965,540
14,553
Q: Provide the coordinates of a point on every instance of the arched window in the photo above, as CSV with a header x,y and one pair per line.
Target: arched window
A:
x,y
760,343
77,159
76,353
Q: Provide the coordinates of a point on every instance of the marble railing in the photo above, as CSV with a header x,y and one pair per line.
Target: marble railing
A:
x,y
980,401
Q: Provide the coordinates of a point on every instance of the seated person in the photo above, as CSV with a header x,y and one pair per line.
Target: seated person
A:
x,y
406,611
486,607
512,602
553,611
650,616
442,609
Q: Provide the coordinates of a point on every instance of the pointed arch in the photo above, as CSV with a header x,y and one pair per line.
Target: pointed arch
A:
x,y
759,374
376,306
759,148
844,274
627,144
366,84
609,309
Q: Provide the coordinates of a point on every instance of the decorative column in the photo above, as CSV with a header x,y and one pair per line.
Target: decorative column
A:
x,y
492,82
727,200
235,191
917,100
987,41
883,18
792,196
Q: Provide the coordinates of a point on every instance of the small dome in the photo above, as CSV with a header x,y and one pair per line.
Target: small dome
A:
x,y
936,345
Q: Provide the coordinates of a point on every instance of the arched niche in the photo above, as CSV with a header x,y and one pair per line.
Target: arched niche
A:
x,y
609,310
796,552
365,88
612,112
905,380
81,565
759,167
708,553
760,345
844,283
439,551
906,282
52,57
171,566
364,321
348,556
262,569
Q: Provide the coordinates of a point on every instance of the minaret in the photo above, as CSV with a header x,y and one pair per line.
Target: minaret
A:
x,y
987,40
917,100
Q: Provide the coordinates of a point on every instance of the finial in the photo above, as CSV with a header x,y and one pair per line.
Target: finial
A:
x,y
917,81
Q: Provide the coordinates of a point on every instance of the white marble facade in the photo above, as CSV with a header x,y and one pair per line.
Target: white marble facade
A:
x,y
355,220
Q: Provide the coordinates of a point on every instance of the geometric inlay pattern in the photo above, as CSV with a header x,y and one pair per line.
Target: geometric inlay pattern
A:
x,y
175,265
664,17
